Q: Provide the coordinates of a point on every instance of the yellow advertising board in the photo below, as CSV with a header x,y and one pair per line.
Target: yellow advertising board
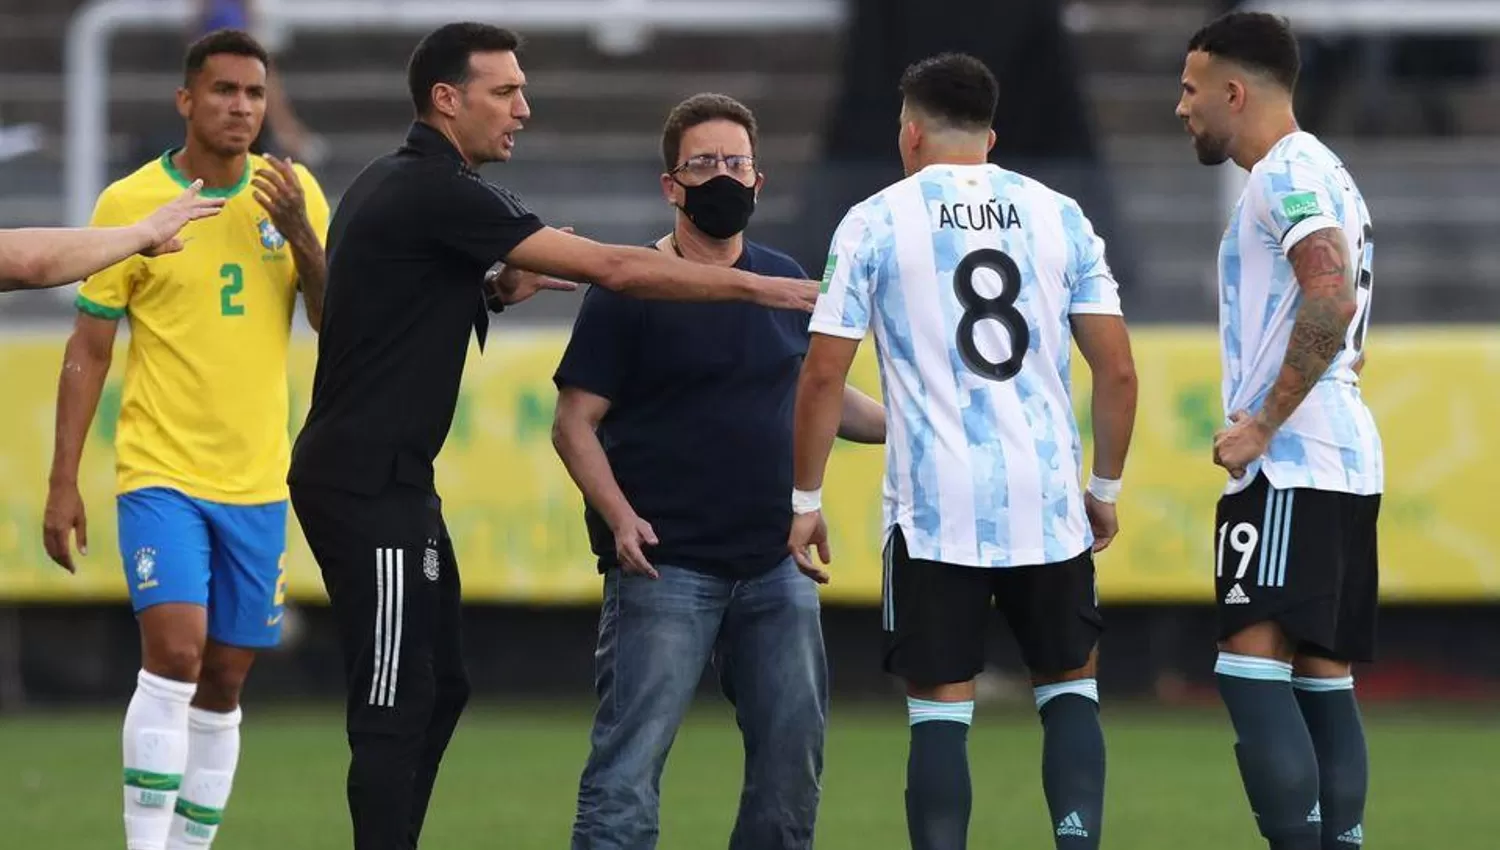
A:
x,y
517,524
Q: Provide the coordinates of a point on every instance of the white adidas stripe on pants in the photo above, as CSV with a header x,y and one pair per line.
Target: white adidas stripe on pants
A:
x,y
390,596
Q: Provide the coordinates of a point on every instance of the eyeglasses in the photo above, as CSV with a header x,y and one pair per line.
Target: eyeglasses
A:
x,y
707,164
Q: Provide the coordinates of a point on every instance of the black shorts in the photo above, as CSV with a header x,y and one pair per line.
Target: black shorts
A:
x,y
1304,559
936,616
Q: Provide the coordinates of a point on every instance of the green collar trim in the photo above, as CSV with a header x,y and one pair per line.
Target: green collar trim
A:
x,y
180,180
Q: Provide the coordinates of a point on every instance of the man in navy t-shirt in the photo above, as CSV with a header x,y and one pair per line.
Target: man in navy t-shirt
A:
x,y
675,420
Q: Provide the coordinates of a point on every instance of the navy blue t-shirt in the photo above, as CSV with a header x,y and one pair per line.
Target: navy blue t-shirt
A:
x,y
699,427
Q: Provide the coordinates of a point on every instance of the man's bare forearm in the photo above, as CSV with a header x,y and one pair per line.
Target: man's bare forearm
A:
x,y
40,257
1113,410
78,391
1105,343
648,273
1321,262
863,418
582,454
312,274
815,424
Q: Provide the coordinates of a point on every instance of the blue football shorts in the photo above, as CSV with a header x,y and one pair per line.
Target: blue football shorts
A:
x,y
230,559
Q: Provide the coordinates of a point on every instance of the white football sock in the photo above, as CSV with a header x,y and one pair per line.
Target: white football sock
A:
x,y
213,753
155,743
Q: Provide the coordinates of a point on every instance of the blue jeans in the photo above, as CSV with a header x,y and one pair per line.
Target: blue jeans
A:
x,y
765,638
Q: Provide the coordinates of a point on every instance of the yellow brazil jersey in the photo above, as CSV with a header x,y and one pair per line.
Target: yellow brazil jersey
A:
x,y
204,405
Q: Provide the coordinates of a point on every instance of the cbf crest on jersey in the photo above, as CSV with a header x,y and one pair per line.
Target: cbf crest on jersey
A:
x,y
270,238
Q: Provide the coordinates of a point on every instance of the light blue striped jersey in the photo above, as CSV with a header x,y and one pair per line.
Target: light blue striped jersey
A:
x,y
967,274
1330,442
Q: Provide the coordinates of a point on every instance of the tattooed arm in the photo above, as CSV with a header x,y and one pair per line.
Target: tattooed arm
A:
x,y
1321,262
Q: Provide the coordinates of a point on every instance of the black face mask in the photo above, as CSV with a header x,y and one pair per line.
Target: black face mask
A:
x,y
721,207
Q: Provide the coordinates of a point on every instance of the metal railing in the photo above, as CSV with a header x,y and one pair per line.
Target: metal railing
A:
x,y
615,25
618,25
1388,17
625,25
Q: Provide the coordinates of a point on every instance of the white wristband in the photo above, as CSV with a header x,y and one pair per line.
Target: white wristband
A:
x,y
807,501
1104,489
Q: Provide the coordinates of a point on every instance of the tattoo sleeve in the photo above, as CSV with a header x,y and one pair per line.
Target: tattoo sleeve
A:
x,y
1321,263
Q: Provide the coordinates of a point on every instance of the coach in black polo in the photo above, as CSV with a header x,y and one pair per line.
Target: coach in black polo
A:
x,y
408,253
675,420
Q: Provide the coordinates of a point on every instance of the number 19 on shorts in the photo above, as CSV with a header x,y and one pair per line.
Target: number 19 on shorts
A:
x,y
1241,539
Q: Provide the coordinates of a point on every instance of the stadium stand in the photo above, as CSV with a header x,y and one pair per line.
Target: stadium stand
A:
x,y
589,154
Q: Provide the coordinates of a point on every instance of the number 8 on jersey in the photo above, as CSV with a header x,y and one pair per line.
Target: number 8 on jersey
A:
x,y
983,450
1001,308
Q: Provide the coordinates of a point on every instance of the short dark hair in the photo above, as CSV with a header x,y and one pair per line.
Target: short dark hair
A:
x,y
442,56
224,41
953,87
701,109
1260,42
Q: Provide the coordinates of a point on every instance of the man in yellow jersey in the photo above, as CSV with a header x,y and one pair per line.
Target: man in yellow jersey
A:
x,y
202,444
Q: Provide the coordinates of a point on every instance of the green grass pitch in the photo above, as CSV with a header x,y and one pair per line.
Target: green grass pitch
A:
x,y
511,775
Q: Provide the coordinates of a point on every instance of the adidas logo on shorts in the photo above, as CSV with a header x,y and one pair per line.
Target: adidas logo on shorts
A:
x,y
1071,826
1236,596
1355,836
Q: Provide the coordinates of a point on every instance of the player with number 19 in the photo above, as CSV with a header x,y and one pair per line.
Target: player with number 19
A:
x,y
976,282
1295,536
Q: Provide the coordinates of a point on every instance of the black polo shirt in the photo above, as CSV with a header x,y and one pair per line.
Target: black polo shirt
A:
x,y
699,427
408,249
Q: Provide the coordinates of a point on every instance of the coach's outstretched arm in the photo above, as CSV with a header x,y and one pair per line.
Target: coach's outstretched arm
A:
x,y
42,257
85,366
1105,344
648,273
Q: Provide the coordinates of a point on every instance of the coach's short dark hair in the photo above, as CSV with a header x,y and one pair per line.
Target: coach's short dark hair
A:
x,y
443,57
219,42
1260,42
953,87
701,109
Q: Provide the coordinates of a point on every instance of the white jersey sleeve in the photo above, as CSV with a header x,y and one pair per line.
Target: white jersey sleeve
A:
x,y
1093,284
1291,200
844,297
